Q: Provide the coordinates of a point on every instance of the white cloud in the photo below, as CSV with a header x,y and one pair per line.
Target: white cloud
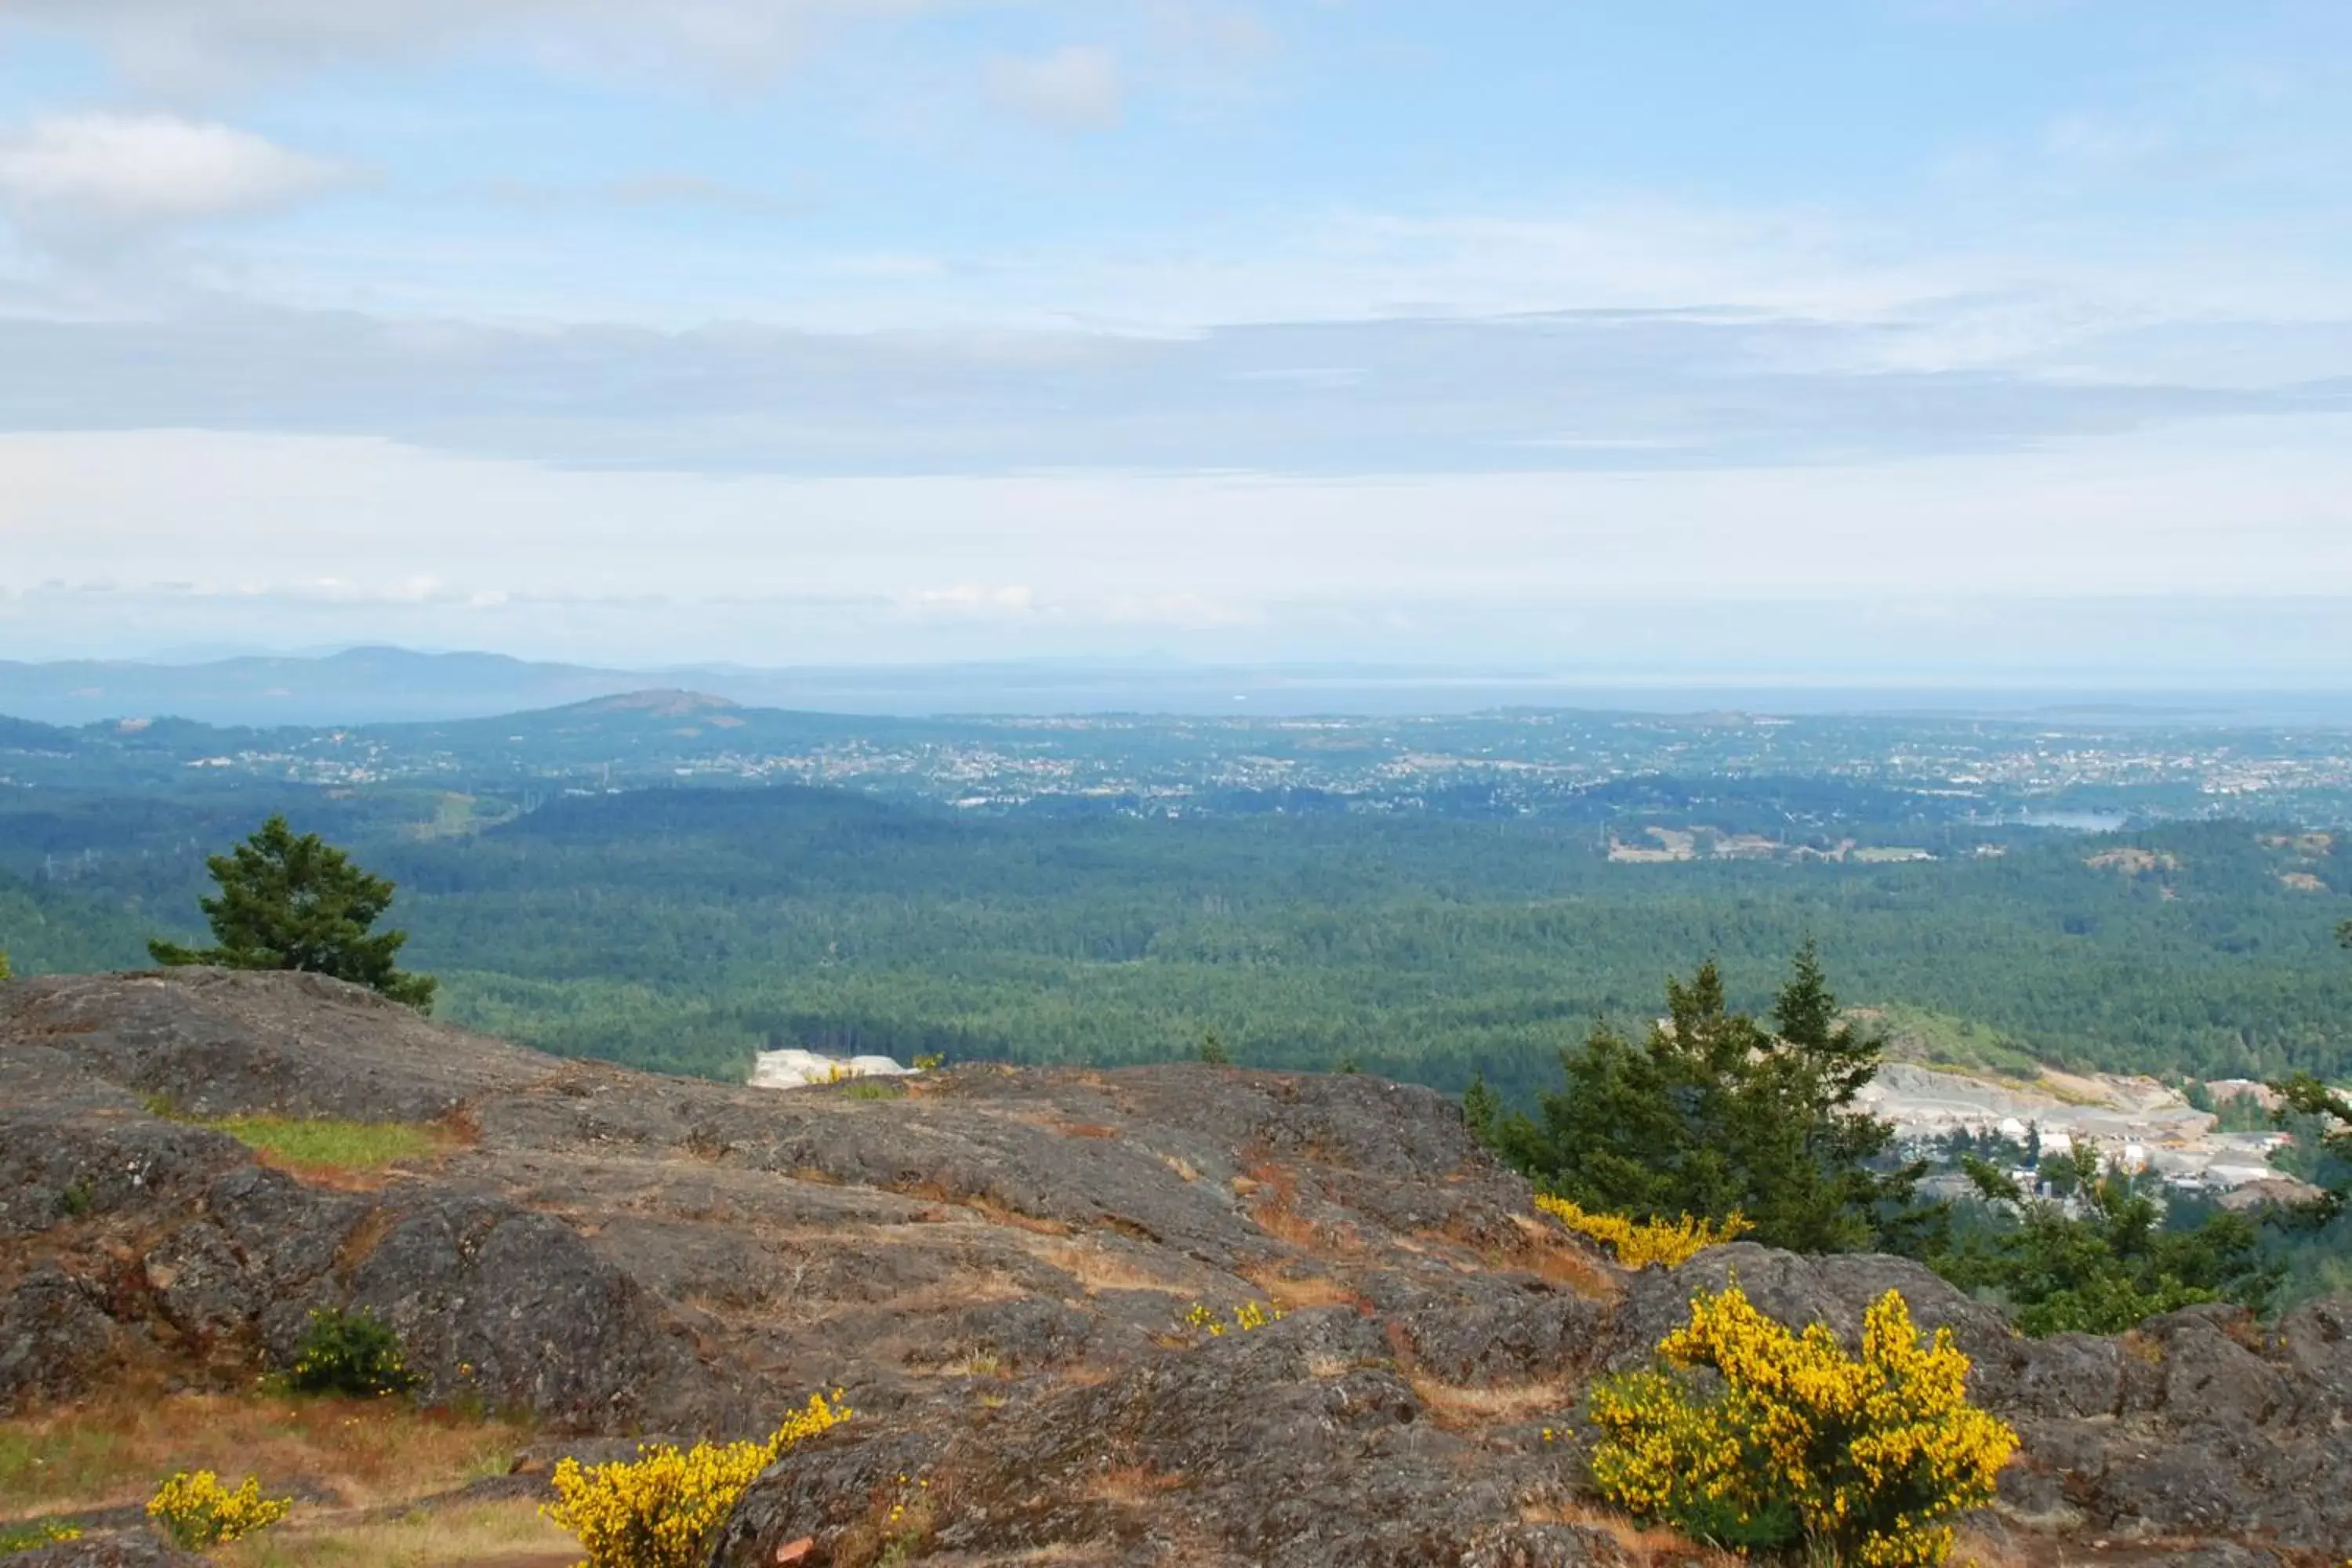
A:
x,y
103,174
1072,90
2247,510
201,45
1622,391
972,600
657,188
303,540
1016,603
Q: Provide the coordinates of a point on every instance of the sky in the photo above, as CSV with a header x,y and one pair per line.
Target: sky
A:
x,y
1835,339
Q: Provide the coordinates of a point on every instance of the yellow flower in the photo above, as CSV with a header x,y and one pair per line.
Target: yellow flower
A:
x,y
1639,1243
1801,1440
662,1510
197,1512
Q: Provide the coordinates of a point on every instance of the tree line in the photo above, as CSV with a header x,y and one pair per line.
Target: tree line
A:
x,y
1715,1115
1712,1113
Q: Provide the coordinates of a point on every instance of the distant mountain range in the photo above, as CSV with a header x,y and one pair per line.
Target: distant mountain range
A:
x,y
362,685
390,685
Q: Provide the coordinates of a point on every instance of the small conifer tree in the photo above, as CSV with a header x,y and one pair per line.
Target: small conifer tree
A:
x,y
297,903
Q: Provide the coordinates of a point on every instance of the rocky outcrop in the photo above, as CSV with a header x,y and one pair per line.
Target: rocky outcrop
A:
x,y
998,1267
116,1549
131,1239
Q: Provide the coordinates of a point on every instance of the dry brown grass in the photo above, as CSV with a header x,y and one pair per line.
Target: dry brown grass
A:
x,y
1553,1256
1132,1486
964,1288
997,1214
1099,1268
1080,1375
1457,1408
1292,1293
1974,1549
986,1207
112,1452
1644,1546
976,1364
898,1524
506,1534
1274,1208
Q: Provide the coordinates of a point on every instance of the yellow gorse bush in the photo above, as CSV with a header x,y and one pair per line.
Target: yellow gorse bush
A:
x,y
197,1512
663,1509
1866,1457
1639,1243
1247,1316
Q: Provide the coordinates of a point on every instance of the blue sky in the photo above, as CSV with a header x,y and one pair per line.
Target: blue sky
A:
x,y
865,330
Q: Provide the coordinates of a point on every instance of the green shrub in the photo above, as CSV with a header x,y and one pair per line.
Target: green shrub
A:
x,y
664,1509
37,1533
352,1353
197,1512
1793,1443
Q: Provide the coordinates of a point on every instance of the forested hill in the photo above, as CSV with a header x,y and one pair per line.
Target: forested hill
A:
x,y
686,928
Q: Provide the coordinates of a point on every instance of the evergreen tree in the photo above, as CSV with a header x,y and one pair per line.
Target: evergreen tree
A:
x,y
289,902
1482,1110
2104,1261
1713,1114
2326,1117
2325,1120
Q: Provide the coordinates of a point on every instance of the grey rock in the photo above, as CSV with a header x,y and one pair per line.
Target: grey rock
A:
x,y
220,1042
996,1267
515,1307
56,1341
125,1549
202,1284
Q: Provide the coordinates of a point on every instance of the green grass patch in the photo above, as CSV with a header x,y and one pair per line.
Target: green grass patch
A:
x,y
28,1537
1943,1040
110,1451
867,1088
326,1143
44,1464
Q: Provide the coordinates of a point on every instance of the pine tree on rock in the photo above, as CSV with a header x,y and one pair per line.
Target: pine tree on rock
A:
x,y
1714,1114
289,902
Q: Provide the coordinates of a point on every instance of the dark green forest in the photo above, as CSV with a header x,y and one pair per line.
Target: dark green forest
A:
x,y
684,929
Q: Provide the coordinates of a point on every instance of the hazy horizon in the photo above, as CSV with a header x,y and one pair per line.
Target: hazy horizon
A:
x,y
1875,342
380,684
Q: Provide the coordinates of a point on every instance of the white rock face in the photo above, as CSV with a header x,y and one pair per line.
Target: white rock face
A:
x,y
2137,1122
797,1068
